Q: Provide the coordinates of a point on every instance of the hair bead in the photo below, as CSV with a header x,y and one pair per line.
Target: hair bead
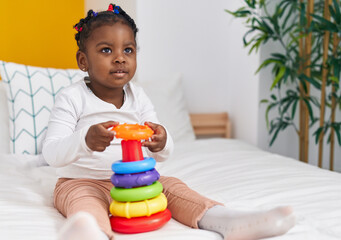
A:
x,y
117,10
110,8
78,29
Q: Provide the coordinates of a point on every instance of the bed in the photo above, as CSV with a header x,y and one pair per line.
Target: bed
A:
x,y
227,170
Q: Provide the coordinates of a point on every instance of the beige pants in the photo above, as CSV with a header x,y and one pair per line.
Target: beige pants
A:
x,y
93,196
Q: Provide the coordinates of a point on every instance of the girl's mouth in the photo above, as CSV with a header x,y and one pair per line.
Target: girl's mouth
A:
x,y
119,73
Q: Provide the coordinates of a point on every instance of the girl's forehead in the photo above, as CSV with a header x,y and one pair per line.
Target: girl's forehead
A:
x,y
116,31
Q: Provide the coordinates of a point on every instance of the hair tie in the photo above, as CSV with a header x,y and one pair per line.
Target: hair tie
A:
x,y
78,29
110,8
95,14
116,10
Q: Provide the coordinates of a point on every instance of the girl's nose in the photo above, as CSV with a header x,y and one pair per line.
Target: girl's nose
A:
x,y
119,58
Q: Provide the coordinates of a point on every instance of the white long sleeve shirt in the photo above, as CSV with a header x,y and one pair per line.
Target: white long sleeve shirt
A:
x,y
76,109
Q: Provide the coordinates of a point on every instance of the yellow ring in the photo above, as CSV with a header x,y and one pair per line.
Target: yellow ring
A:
x,y
140,208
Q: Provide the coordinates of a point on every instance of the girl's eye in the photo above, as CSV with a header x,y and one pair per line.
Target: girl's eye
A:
x,y
128,50
106,50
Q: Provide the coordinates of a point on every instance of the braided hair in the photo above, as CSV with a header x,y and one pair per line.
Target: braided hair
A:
x,y
94,20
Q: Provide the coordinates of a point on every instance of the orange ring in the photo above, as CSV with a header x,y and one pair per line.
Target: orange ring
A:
x,y
133,131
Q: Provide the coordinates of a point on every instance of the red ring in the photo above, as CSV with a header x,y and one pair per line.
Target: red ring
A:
x,y
140,224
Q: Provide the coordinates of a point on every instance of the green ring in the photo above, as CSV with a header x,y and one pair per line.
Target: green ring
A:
x,y
136,194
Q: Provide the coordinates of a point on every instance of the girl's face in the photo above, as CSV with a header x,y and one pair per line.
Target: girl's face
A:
x,y
110,57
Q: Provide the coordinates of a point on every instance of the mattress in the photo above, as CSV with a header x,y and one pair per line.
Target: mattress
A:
x,y
229,171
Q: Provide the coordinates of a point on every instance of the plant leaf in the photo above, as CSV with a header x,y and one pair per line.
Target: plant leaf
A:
x,y
325,24
310,110
275,135
278,77
267,62
336,127
317,134
293,110
270,106
312,81
336,5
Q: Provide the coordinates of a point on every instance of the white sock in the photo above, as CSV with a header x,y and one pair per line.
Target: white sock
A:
x,y
81,226
240,225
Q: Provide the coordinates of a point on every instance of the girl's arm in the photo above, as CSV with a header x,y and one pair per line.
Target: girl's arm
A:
x,y
63,145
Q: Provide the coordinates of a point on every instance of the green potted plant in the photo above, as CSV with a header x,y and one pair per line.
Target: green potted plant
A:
x,y
308,34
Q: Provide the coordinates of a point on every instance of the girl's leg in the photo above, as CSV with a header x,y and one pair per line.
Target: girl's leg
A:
x,y
246,225
83,226
72,196
197,211
186,205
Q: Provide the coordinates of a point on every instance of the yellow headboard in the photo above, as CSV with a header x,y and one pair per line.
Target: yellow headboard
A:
x,y
40,32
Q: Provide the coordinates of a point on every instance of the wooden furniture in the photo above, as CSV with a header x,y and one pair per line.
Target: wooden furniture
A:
x,y
211,125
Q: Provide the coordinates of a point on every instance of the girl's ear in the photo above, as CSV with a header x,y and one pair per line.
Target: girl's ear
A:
x,y
82,61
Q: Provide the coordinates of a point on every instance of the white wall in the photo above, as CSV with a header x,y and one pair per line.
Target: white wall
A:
x,y
200,40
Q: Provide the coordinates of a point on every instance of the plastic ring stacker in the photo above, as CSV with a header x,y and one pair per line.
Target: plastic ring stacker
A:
x,y
140,224
136,194
133,167
140,208
136,179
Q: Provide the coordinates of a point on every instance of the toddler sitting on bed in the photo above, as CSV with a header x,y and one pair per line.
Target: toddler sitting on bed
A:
x,y
80,145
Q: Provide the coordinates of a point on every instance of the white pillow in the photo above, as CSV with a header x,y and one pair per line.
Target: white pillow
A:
x,y
31,92
4,132
167,95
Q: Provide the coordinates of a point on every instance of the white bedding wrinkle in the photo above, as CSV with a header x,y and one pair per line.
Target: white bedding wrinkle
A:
x,y
239,175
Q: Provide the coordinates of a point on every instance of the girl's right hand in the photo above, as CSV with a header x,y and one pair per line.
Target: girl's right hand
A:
x,y
98,137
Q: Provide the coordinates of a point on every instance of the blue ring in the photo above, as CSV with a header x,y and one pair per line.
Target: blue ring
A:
x,y
120,167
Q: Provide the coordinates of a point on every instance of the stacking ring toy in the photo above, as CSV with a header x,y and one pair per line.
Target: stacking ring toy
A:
x,y
133,167
136,179
138,209
136,194
140,224
133,131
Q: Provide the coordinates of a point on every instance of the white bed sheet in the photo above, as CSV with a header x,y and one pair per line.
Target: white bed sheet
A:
x,y
239,175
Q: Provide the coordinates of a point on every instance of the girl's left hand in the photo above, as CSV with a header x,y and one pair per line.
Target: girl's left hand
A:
x,y
158,141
